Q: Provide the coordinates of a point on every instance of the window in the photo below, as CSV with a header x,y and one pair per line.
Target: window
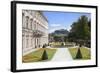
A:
x,y
31,12
27,18
31,22
27,39
31,41
35,25
22,19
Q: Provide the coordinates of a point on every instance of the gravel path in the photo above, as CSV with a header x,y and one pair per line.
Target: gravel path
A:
x,y
62,54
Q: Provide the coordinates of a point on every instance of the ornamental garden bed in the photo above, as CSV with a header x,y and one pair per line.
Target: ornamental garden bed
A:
x,y
36,56
85,53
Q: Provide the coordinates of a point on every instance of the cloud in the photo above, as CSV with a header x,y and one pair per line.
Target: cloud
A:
x,y
52,30
69,28
55,25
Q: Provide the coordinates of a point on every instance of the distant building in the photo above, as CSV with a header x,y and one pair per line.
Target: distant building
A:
x,y
34,30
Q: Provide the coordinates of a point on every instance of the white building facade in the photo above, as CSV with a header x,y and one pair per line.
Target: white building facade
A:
x,y
34,30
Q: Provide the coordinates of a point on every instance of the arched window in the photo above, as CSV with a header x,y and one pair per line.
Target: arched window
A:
x,y
31,22
27,19
31,42
27,41
23,20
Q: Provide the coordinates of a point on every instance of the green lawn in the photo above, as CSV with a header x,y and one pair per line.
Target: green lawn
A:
x,y
37,55
84,51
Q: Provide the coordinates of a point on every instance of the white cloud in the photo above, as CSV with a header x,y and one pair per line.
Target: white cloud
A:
x,y
53,29
55,25
69,28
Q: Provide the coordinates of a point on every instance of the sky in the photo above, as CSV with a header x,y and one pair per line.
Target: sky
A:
x,y
62,20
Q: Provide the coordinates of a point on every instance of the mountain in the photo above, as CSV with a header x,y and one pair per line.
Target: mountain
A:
x,y
60,32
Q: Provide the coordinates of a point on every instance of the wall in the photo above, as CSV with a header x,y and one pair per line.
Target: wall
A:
x,y
5,37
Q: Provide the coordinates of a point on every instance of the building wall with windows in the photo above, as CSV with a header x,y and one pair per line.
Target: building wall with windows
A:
x,y
34,30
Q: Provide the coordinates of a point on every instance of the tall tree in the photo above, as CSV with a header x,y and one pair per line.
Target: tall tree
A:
x,y
80,31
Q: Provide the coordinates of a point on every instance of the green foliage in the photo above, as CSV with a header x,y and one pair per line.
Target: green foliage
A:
x,y
62,44
36,56
79,54
80,30
57,38
86,53
44,55
59,35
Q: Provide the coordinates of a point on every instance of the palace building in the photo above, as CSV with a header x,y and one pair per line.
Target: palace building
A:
x,y
34,30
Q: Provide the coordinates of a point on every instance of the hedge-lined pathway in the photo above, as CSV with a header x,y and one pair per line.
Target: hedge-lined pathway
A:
x,y
62,54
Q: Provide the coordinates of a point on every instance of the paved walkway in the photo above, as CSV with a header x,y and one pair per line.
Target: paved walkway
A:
x,y
62,54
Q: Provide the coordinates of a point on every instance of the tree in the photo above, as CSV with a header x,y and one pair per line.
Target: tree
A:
x,y
57,38
80,31
44,55
79,54
65,38
59,35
